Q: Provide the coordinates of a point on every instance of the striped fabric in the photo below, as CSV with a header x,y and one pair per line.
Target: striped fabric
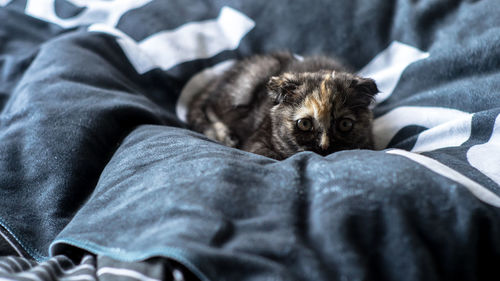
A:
x,y
90,268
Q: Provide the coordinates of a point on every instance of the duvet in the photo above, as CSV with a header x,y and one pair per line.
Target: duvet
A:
x,y
97,163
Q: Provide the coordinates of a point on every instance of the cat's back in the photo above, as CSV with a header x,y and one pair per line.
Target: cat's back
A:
x,y
248,78
244,84
238,99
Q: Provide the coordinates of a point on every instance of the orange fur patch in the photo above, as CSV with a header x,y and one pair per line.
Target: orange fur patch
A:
x,y
319,104
325,141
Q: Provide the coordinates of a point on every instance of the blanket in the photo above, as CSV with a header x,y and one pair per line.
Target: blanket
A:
x,y
96,158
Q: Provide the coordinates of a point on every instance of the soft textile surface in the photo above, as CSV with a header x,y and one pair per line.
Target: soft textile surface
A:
x,y
90,268
94,154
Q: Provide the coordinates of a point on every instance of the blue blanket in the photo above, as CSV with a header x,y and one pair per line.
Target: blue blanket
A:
x,y
95,154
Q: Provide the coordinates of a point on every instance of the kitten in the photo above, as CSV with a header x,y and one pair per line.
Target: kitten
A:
x,y
277,105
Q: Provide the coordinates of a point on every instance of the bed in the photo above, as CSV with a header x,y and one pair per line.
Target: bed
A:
x,y
100,178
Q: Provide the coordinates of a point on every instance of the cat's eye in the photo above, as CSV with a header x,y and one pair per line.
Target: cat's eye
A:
x,y
345,124
304,124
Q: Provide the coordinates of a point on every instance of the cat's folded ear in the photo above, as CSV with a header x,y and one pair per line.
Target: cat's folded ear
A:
x,y
281,88
366,89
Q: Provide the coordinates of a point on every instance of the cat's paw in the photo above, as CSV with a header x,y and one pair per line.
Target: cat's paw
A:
x,y
231,141
221,133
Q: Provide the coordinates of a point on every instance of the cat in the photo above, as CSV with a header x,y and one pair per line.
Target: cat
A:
x,y
279,104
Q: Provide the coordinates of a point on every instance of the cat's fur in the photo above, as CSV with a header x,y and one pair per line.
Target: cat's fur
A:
x,y
256,105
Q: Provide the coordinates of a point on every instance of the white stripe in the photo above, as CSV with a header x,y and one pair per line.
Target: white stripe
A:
x,y
191,41
9,267
86,258
448,127
104,12
82,277
198,40
27,262
63,258
16,263
388,66
76,268
7,279
4,2
79,267
481,192
11,244
124,272
5,268
448,134
38,269
32,275
486,157
49,268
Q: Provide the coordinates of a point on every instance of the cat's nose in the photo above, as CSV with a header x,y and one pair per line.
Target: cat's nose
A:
x,y
325,141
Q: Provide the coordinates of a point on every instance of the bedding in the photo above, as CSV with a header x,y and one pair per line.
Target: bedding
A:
x,y
97,163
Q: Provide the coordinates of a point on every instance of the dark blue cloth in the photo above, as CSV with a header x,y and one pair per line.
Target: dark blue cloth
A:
x,y
93,156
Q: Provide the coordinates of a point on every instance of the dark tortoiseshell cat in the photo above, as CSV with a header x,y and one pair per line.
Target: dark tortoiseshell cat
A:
x,y
277,105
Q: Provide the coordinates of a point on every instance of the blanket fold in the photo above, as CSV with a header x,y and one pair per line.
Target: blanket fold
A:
x,y
94,157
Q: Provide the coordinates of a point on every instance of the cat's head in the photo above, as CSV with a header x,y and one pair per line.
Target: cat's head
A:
x,y
324,112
